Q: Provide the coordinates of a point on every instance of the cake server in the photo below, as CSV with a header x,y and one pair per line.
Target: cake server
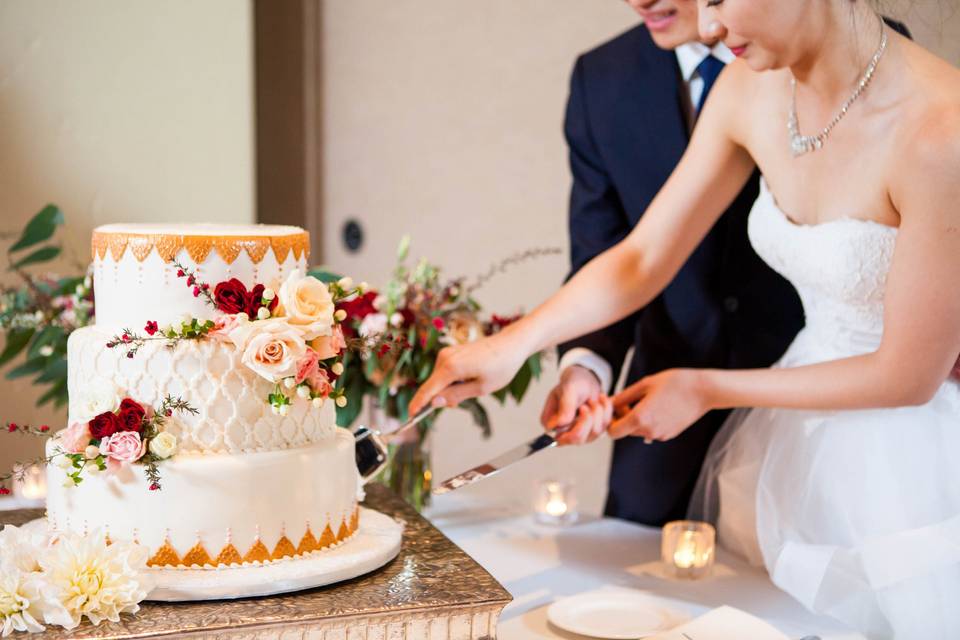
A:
x,y
371,444
545,441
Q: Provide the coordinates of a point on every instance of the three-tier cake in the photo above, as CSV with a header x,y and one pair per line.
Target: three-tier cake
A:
x,y
261,474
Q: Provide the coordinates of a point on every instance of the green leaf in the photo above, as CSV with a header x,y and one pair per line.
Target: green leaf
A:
x,y
404,396
536,367
55,370
501,394
324,276
521,382
40,255
17,339
57,394
479,414
68,286
40,228
347,415
49,335
29,367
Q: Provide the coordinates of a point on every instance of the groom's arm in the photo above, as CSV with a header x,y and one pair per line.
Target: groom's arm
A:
x,y
597,221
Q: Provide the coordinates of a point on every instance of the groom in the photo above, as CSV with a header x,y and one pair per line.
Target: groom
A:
x,y
633,103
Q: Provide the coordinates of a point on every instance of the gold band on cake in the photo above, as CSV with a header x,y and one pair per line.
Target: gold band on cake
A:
x,y
198,247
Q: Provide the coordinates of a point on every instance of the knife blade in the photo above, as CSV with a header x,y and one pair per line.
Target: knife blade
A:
x,y
499,463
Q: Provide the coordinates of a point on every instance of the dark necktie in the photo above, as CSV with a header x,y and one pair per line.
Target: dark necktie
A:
x,y
708,69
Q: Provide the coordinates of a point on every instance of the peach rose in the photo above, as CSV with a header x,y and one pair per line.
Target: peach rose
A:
x,y
75,438
271,348
330,346
307,367
306,304
461,329
226,323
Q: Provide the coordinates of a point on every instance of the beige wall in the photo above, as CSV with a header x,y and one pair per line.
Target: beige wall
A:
x,y
443,119
121,110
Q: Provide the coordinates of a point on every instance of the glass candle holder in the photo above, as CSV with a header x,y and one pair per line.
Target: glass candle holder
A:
x,y
555,502
688,548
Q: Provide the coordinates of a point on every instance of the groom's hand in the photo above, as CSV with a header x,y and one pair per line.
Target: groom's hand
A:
x,y
577,400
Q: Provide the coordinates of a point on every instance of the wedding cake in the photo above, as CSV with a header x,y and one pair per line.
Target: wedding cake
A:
x,y
201,411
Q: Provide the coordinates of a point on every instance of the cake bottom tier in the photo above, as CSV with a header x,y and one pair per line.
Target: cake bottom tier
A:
x,y
221,510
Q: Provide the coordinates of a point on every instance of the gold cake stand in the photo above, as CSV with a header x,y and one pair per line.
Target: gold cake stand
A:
x,y
431,591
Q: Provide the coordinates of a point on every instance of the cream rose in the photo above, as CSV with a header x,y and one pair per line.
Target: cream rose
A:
x,y
330,346
163,445
98,396
461,328
306,304
271,348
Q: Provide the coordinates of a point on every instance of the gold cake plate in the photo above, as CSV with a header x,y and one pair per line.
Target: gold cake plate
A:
x,y
376,542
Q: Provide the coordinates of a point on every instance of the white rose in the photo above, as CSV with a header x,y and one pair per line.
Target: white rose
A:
x,y
373,324
307,304
97,396
271,348
163,445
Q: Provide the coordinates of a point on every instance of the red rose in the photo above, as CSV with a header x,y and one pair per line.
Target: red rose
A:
x,y
131,415
231,296
105,424
357,309
255,301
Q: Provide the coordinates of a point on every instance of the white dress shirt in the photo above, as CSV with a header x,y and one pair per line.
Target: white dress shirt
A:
x,y
689,57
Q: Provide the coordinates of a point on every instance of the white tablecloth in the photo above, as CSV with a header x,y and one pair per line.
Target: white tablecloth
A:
x,y
539,564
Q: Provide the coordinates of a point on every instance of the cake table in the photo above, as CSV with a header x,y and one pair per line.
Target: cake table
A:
x,y
431,591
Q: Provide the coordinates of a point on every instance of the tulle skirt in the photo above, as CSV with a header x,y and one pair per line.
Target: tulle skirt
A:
x,y
854,513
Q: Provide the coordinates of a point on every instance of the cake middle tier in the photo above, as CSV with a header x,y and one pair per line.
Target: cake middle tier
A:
x,y
231,400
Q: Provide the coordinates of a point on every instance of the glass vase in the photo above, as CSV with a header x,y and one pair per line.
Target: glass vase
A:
x,y
408,471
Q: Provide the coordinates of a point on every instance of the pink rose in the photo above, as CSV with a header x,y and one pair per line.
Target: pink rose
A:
x,y
122,447
320,383
223,325
307,366
330,346
75,438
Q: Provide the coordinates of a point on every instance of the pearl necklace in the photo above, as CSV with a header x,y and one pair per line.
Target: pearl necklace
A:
x,y
801,144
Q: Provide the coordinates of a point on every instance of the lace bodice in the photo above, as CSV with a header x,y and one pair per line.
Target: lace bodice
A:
x,y
839,269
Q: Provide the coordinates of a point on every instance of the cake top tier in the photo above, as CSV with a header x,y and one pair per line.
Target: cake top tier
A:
x,y
135,266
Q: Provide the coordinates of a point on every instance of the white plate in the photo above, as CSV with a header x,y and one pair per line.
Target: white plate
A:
x,y
617,614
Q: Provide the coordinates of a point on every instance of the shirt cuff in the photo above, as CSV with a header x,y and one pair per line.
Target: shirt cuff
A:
x,y
589,360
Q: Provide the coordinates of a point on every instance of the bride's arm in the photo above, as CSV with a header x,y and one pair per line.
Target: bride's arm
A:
x,y
627,276
921,337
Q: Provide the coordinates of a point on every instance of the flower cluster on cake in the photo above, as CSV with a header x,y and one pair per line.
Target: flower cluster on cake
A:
x,y
202,401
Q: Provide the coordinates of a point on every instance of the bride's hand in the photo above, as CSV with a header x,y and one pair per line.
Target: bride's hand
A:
x,y
470,370
661,406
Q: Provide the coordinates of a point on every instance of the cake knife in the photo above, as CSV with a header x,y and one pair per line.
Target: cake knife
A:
x,y
371,444
545,441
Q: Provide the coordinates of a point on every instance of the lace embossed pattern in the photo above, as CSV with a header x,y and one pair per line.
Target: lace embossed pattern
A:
x,y
232,415
198,246
839,269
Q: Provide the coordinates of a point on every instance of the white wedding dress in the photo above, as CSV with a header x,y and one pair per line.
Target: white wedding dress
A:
x,y
855,513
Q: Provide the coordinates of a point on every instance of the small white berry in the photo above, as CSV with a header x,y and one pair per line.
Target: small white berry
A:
x,y
396,319
341,401
364,287
284,409
337,368
340,315
263,313
79,290
454,292
64,462
275,409
69,483
46,350
91,452
268,294
93,469
290,382
317,403
243,317
346,283
303,391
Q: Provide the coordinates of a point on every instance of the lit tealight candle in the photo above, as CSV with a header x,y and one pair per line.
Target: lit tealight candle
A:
x,y
688,547
555,503
32,485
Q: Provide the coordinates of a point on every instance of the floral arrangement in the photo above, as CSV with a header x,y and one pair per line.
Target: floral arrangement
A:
x,y
291,337
62,580
413,318
115,437
38,315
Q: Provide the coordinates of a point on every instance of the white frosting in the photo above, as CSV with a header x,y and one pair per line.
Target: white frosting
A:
x,y
234,415
210,498
129,292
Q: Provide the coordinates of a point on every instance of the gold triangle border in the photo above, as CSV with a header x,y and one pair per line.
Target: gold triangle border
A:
x,y
166,557
198,247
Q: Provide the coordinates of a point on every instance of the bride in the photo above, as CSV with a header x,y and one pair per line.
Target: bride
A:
x,y
844,477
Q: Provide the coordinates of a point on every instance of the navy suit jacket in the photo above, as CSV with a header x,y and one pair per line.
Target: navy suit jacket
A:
x,y
626,129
